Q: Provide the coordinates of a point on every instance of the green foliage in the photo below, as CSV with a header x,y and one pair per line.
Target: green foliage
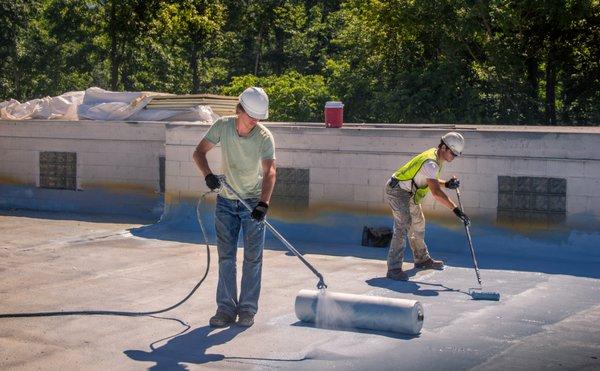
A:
x,y
292,96
455,61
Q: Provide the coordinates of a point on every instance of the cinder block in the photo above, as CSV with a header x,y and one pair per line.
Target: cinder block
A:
x,y
347,160
17,167
188,168
135,172
185,134
582,187
365,143
593,206
325,175
353,176
301,159
491,166
323,159
176,184
488,200
562,168
17,155
392,162
530,167
329,141
577,204
171,168
284,159
289,140
379,177
179,153
469,199
197,184
363,160
473,182
98,158
591,169
338,192
368,193
316,191
96,172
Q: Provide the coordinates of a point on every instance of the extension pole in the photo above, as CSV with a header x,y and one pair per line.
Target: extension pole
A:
x,y
321,284
470,242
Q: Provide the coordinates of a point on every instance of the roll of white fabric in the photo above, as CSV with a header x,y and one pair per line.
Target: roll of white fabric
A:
x,y
334,309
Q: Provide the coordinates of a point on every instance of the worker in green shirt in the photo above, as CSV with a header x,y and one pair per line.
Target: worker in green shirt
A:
x,y
248,163
406,189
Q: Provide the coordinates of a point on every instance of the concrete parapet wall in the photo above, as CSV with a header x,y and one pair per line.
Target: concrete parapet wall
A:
x,y
347,167
350,166
117,165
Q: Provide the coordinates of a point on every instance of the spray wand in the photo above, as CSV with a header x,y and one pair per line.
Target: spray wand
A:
x,y
321,284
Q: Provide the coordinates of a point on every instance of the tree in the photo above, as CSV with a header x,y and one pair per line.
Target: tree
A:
x,y
15,17
292,96
193,26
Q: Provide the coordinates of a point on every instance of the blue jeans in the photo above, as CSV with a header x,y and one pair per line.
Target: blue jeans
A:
x,y
230,215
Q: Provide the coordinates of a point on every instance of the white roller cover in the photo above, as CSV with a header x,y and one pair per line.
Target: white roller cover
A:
x,y
359,311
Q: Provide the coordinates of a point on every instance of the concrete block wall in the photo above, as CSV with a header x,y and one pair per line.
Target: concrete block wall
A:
x,y
349,166
117,165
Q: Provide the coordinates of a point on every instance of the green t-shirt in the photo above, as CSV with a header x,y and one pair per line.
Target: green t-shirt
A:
x,y
241,156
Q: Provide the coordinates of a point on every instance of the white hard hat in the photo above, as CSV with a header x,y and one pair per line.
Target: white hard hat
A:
x,y
255,102
455,141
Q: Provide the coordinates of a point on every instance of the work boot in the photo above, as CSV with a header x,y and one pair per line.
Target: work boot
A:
x,y
430,264
221,319
397,274
246,319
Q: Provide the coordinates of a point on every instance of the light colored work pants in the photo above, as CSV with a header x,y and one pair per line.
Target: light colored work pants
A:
x,y
408,221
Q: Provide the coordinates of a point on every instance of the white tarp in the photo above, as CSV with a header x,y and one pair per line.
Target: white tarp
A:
x,y
100,104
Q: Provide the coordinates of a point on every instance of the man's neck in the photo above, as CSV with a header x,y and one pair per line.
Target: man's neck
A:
x,y
438,156
243,128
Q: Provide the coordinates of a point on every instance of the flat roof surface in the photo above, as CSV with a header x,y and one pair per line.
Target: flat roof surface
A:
x,y
54,261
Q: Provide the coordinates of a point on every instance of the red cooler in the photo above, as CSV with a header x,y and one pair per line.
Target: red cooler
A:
x,y
334,114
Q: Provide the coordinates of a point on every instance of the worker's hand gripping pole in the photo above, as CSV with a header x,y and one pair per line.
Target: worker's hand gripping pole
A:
x,y
321,284
470,242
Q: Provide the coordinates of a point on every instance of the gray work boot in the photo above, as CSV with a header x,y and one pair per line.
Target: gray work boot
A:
x,y
221,319
430,264
246,319
397,274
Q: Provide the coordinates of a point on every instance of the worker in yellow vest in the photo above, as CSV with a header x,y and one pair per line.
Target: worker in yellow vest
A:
x,y
406,189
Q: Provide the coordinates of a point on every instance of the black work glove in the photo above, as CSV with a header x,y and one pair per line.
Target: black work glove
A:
x,y
212,182
462,216
260,211
452,183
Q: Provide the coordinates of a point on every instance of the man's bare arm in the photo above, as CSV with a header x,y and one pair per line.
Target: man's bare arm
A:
x,y
200,156
268,182
436,191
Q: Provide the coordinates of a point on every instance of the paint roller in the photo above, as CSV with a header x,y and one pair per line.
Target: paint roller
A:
x,y
339,310
332,309
476,293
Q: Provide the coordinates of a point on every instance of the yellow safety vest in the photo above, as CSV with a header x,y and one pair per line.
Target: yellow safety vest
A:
x,y
412,167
